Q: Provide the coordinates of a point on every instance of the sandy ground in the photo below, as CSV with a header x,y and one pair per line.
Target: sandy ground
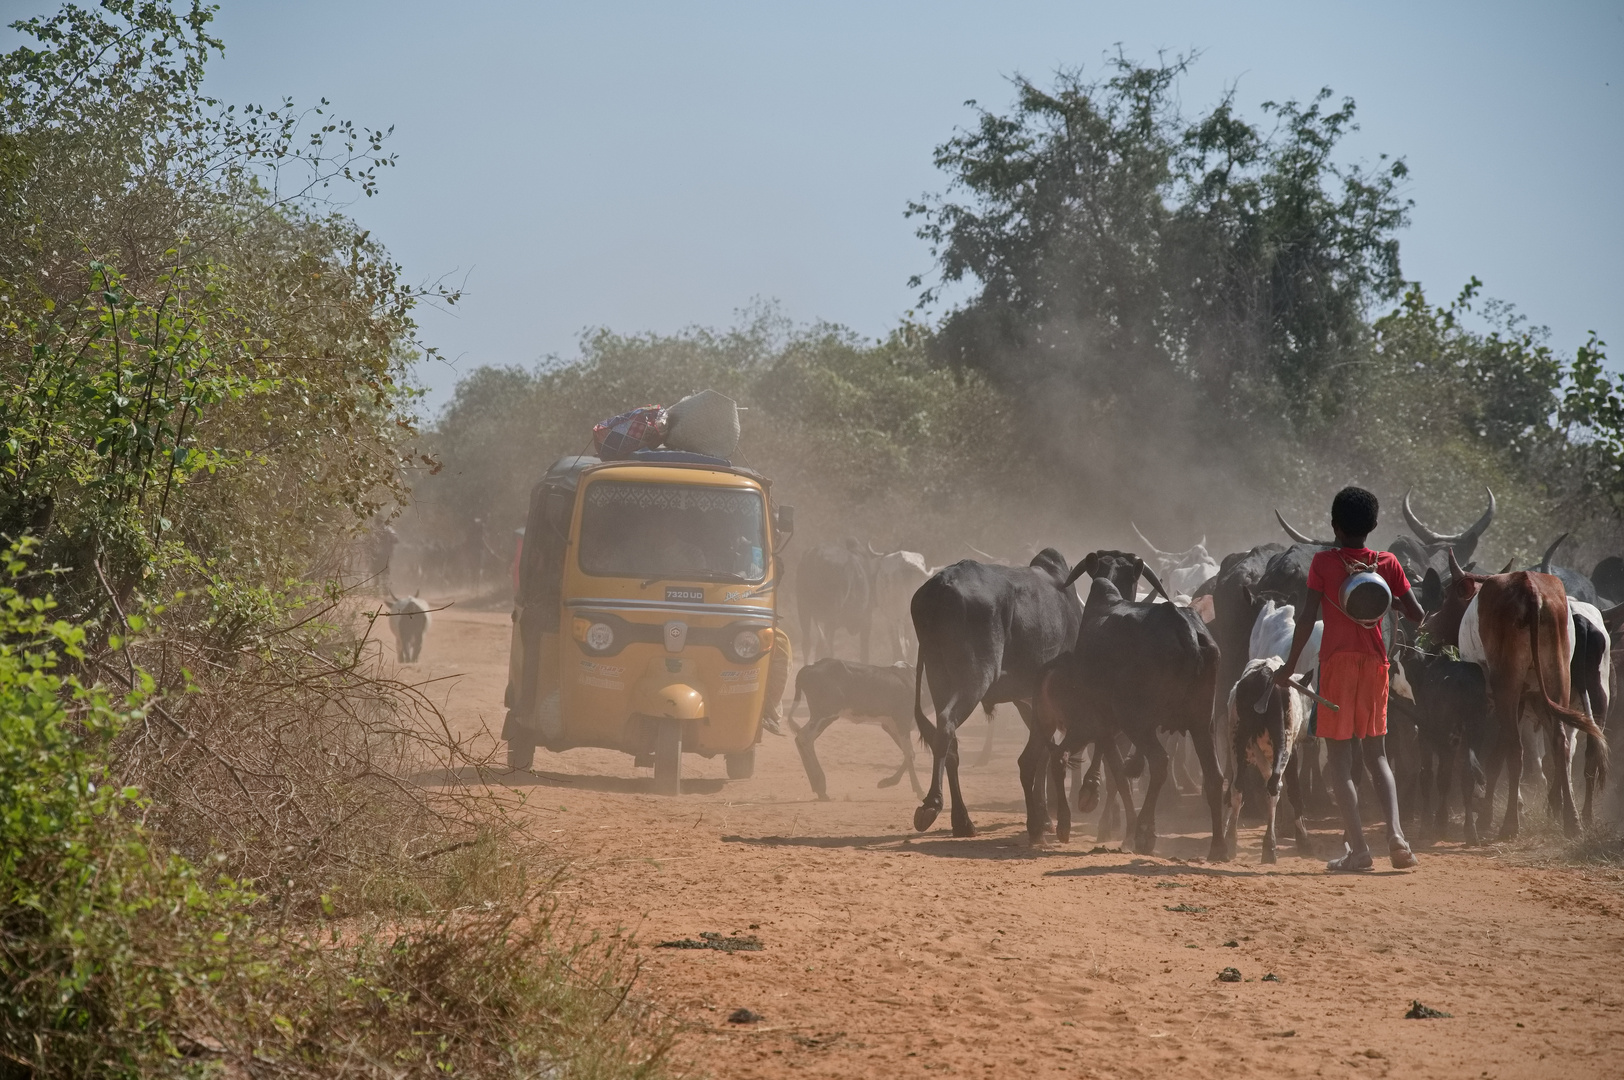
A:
x,y
887,953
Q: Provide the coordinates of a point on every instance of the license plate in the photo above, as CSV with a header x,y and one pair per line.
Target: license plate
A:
x,y
676,595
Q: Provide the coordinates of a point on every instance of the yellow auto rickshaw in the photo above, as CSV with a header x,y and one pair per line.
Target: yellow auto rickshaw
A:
x,y
646,612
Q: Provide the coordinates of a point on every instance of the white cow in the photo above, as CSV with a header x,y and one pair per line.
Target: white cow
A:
x,y
1272,632
897,575
409,620
1183,571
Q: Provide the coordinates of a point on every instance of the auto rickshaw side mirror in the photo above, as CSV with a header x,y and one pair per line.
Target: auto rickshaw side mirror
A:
x,y
784,520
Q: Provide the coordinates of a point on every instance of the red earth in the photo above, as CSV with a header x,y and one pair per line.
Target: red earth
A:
x,y
889,953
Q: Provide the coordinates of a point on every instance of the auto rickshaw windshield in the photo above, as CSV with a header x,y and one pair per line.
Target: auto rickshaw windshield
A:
x,y
638,529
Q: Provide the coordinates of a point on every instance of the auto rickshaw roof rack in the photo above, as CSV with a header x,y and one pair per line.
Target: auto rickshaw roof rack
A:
x,y
565,473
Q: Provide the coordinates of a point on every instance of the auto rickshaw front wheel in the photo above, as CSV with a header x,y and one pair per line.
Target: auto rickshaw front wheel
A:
x,y
520,756
668,758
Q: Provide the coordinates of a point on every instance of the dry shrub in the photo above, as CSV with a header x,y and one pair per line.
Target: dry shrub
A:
x,y
279,897
288,760
488,991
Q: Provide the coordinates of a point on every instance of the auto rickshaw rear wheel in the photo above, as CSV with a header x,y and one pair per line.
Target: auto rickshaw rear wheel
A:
x,y
741,766
668,758
521,755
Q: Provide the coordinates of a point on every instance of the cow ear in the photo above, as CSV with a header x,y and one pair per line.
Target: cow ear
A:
x,y
1251,598
1432,590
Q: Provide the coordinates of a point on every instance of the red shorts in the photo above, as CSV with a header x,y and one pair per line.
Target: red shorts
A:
x,y
1358,683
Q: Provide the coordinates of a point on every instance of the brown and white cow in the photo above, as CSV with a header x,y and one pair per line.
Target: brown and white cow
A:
x,y
1516,626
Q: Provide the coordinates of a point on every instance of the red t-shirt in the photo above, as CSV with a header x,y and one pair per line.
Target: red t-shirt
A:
x,y
1325,576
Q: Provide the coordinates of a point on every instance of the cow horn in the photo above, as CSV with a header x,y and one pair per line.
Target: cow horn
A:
x,y
1427,535
1506,569
1431,536
989,558
1155,582
1482,524
1301,538
1455,572
1153,548
871,551
1545,560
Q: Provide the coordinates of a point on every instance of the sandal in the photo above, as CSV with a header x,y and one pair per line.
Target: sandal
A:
x,y
1351,863
770,724
1403,858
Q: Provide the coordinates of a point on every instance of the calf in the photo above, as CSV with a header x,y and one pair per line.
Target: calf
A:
x,y
409,620
1448,701
836,689
1267,740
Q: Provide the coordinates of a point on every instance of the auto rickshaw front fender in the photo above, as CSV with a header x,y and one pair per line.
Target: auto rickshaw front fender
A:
x,y
667,689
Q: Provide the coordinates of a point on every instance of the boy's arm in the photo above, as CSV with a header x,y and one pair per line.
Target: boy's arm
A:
x,y
1299,640
1410,609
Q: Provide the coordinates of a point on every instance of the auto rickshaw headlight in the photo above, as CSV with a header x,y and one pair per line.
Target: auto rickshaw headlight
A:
x,y
600,637
747,644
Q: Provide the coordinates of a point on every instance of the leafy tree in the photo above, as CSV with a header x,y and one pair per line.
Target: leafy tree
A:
x,y
204,367
865,437
1593,410
1123,250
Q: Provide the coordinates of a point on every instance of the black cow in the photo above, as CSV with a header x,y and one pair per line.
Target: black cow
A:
x,y
1608,577
1417,556
1448,701
985,633
1435,545
1591,672
1576,584
1138,667
834,590
839,688
1234,609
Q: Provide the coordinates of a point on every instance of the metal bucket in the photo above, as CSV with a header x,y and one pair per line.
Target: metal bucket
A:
x,y
1365,598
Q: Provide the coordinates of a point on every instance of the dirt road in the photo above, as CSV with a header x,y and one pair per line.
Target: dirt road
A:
x,y
886,953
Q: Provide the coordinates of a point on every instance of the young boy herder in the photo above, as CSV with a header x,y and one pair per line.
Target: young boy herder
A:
x,y
1353,673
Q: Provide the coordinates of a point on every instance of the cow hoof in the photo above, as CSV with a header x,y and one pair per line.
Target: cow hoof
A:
x,y
889,781
963,828
1269,857
823,796
1063,833
1036,842
925,817
1088,800
1145,844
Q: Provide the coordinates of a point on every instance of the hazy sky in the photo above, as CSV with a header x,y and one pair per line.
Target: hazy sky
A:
x,y
650,166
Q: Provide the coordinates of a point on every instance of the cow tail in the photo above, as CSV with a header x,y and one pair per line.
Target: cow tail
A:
x,y
1570,716
927,730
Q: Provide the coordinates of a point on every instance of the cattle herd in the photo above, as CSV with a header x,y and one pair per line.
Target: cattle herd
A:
x,y
1165,667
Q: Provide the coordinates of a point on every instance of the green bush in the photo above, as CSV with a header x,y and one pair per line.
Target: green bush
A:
x,y
119,958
